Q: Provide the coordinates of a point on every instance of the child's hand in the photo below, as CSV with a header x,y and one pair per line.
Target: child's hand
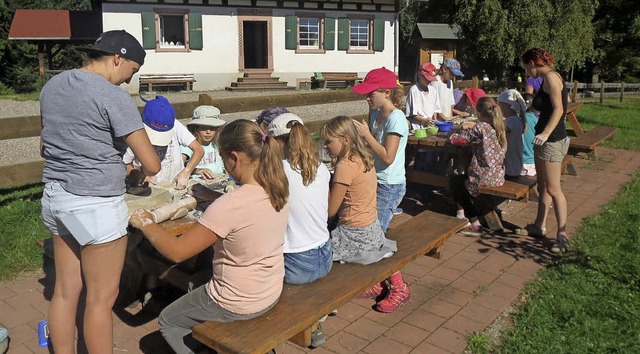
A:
x,y
181,180
205,173
151,179
140,218
362,127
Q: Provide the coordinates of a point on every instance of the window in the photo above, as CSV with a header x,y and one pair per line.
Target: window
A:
x,y
359,36
309,33
171,30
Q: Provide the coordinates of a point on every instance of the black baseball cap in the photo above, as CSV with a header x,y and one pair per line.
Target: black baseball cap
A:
x,y
118,42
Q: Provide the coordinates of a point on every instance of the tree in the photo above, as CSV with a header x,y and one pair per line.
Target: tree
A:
x,y
497,32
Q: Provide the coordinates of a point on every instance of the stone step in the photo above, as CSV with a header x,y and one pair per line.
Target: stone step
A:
x,y
258,79
259,88
258,84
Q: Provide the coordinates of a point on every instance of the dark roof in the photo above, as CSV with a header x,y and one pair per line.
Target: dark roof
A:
x,y
437,31
56,25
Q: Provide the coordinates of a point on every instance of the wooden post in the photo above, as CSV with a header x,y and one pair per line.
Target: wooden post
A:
x,y
41,54
475,82
574,91
621,91
601,92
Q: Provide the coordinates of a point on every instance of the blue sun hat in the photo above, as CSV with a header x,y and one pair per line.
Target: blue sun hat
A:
x,y
159,118
454,66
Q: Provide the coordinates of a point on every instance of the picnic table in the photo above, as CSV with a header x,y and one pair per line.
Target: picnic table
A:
x,y
453,157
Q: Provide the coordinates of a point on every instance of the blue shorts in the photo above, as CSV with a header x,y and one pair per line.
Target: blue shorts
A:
x,y
89,219
308,266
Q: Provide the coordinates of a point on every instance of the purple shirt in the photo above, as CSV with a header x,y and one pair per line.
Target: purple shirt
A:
x,y
534,82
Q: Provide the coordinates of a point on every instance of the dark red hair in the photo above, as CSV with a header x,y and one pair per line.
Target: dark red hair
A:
x,y
538,56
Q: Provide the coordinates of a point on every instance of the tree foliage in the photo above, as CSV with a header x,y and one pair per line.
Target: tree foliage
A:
x,y
496,32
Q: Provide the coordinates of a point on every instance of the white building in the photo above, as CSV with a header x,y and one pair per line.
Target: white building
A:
x,y
220,40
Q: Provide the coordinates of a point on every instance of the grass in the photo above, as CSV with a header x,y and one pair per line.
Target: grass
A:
x,y
587,301
32,96
479,343
21,227
623,115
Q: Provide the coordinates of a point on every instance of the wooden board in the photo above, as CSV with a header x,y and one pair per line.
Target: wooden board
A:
x,y
300,306
588,141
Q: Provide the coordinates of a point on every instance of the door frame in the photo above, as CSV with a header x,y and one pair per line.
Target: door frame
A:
x,y
255,15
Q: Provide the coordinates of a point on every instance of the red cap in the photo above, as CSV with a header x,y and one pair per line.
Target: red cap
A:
x,y
381,78
428,71
473,94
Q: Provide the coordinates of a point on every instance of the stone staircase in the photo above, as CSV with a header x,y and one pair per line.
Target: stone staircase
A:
x,y
258,81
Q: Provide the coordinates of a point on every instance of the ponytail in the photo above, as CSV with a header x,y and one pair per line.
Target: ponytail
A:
x,y
263,151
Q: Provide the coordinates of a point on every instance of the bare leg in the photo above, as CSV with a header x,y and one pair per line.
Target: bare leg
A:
x,y
68,286
544,199
102,266
554,189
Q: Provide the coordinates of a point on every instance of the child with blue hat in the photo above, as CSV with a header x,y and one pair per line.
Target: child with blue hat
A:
x,y
167,135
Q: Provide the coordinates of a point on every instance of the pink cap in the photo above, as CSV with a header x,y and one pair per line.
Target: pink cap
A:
x,y
381,78
428,71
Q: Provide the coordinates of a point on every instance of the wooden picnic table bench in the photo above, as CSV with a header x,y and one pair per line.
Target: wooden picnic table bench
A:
x,y
518,189
149,80
295,315
584,141
326,77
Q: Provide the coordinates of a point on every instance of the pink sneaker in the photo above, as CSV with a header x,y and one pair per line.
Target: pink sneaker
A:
x,y
397,296
373,292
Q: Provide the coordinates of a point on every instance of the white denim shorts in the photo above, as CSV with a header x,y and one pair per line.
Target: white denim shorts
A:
x,y
90,220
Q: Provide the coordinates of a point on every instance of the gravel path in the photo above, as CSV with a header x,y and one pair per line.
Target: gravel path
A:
x,y
16,151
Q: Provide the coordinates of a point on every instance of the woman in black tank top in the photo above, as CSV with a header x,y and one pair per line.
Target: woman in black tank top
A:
x,y
550,145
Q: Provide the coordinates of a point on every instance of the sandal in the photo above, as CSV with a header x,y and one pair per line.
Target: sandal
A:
x,y
472,230
531,230
561,245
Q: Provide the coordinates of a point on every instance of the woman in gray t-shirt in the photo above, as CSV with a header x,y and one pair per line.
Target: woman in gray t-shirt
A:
x,y
84,116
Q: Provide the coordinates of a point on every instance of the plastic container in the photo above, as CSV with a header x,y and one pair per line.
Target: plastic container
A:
x,y
432,129
43,333
444,126
421,133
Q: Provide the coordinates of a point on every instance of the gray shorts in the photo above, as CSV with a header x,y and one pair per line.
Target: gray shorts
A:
x,y
552,151
89,219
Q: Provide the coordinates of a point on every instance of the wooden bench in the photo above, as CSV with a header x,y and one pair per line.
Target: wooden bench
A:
x,y
583,142
518,190
149,80
300,306
324,79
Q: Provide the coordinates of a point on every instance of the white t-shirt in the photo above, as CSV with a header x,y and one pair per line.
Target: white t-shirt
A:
x,y
172,162
445,95
308,210
422,103
513,158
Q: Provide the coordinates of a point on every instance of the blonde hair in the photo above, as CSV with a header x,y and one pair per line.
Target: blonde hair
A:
x,y
395,95
246,136
302,151
342,126
489,112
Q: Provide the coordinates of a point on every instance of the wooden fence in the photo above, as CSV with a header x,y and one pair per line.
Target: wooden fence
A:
x,y
24,127
602,90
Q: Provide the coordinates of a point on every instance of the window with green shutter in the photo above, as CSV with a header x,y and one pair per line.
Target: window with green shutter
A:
x,y
149,30
343,34
378,34
329,33
291,32
195,31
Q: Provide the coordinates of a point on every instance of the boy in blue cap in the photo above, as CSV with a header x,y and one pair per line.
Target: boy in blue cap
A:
x,y
449,69
167,135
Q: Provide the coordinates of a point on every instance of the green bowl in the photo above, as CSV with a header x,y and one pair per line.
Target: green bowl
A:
x,y
421,133
432,129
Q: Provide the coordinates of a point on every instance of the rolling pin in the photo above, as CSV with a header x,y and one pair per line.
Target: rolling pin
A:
x,y
174,210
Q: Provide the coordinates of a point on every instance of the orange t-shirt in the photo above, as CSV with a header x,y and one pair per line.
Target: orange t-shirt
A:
x,y
248,261
359,205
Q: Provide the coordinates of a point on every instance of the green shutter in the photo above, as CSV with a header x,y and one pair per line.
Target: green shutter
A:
x,y
195,31
378,34
329,33
343,34
291,32
149,30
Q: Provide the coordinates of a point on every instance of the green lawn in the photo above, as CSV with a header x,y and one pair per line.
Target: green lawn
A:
x,y
623,115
